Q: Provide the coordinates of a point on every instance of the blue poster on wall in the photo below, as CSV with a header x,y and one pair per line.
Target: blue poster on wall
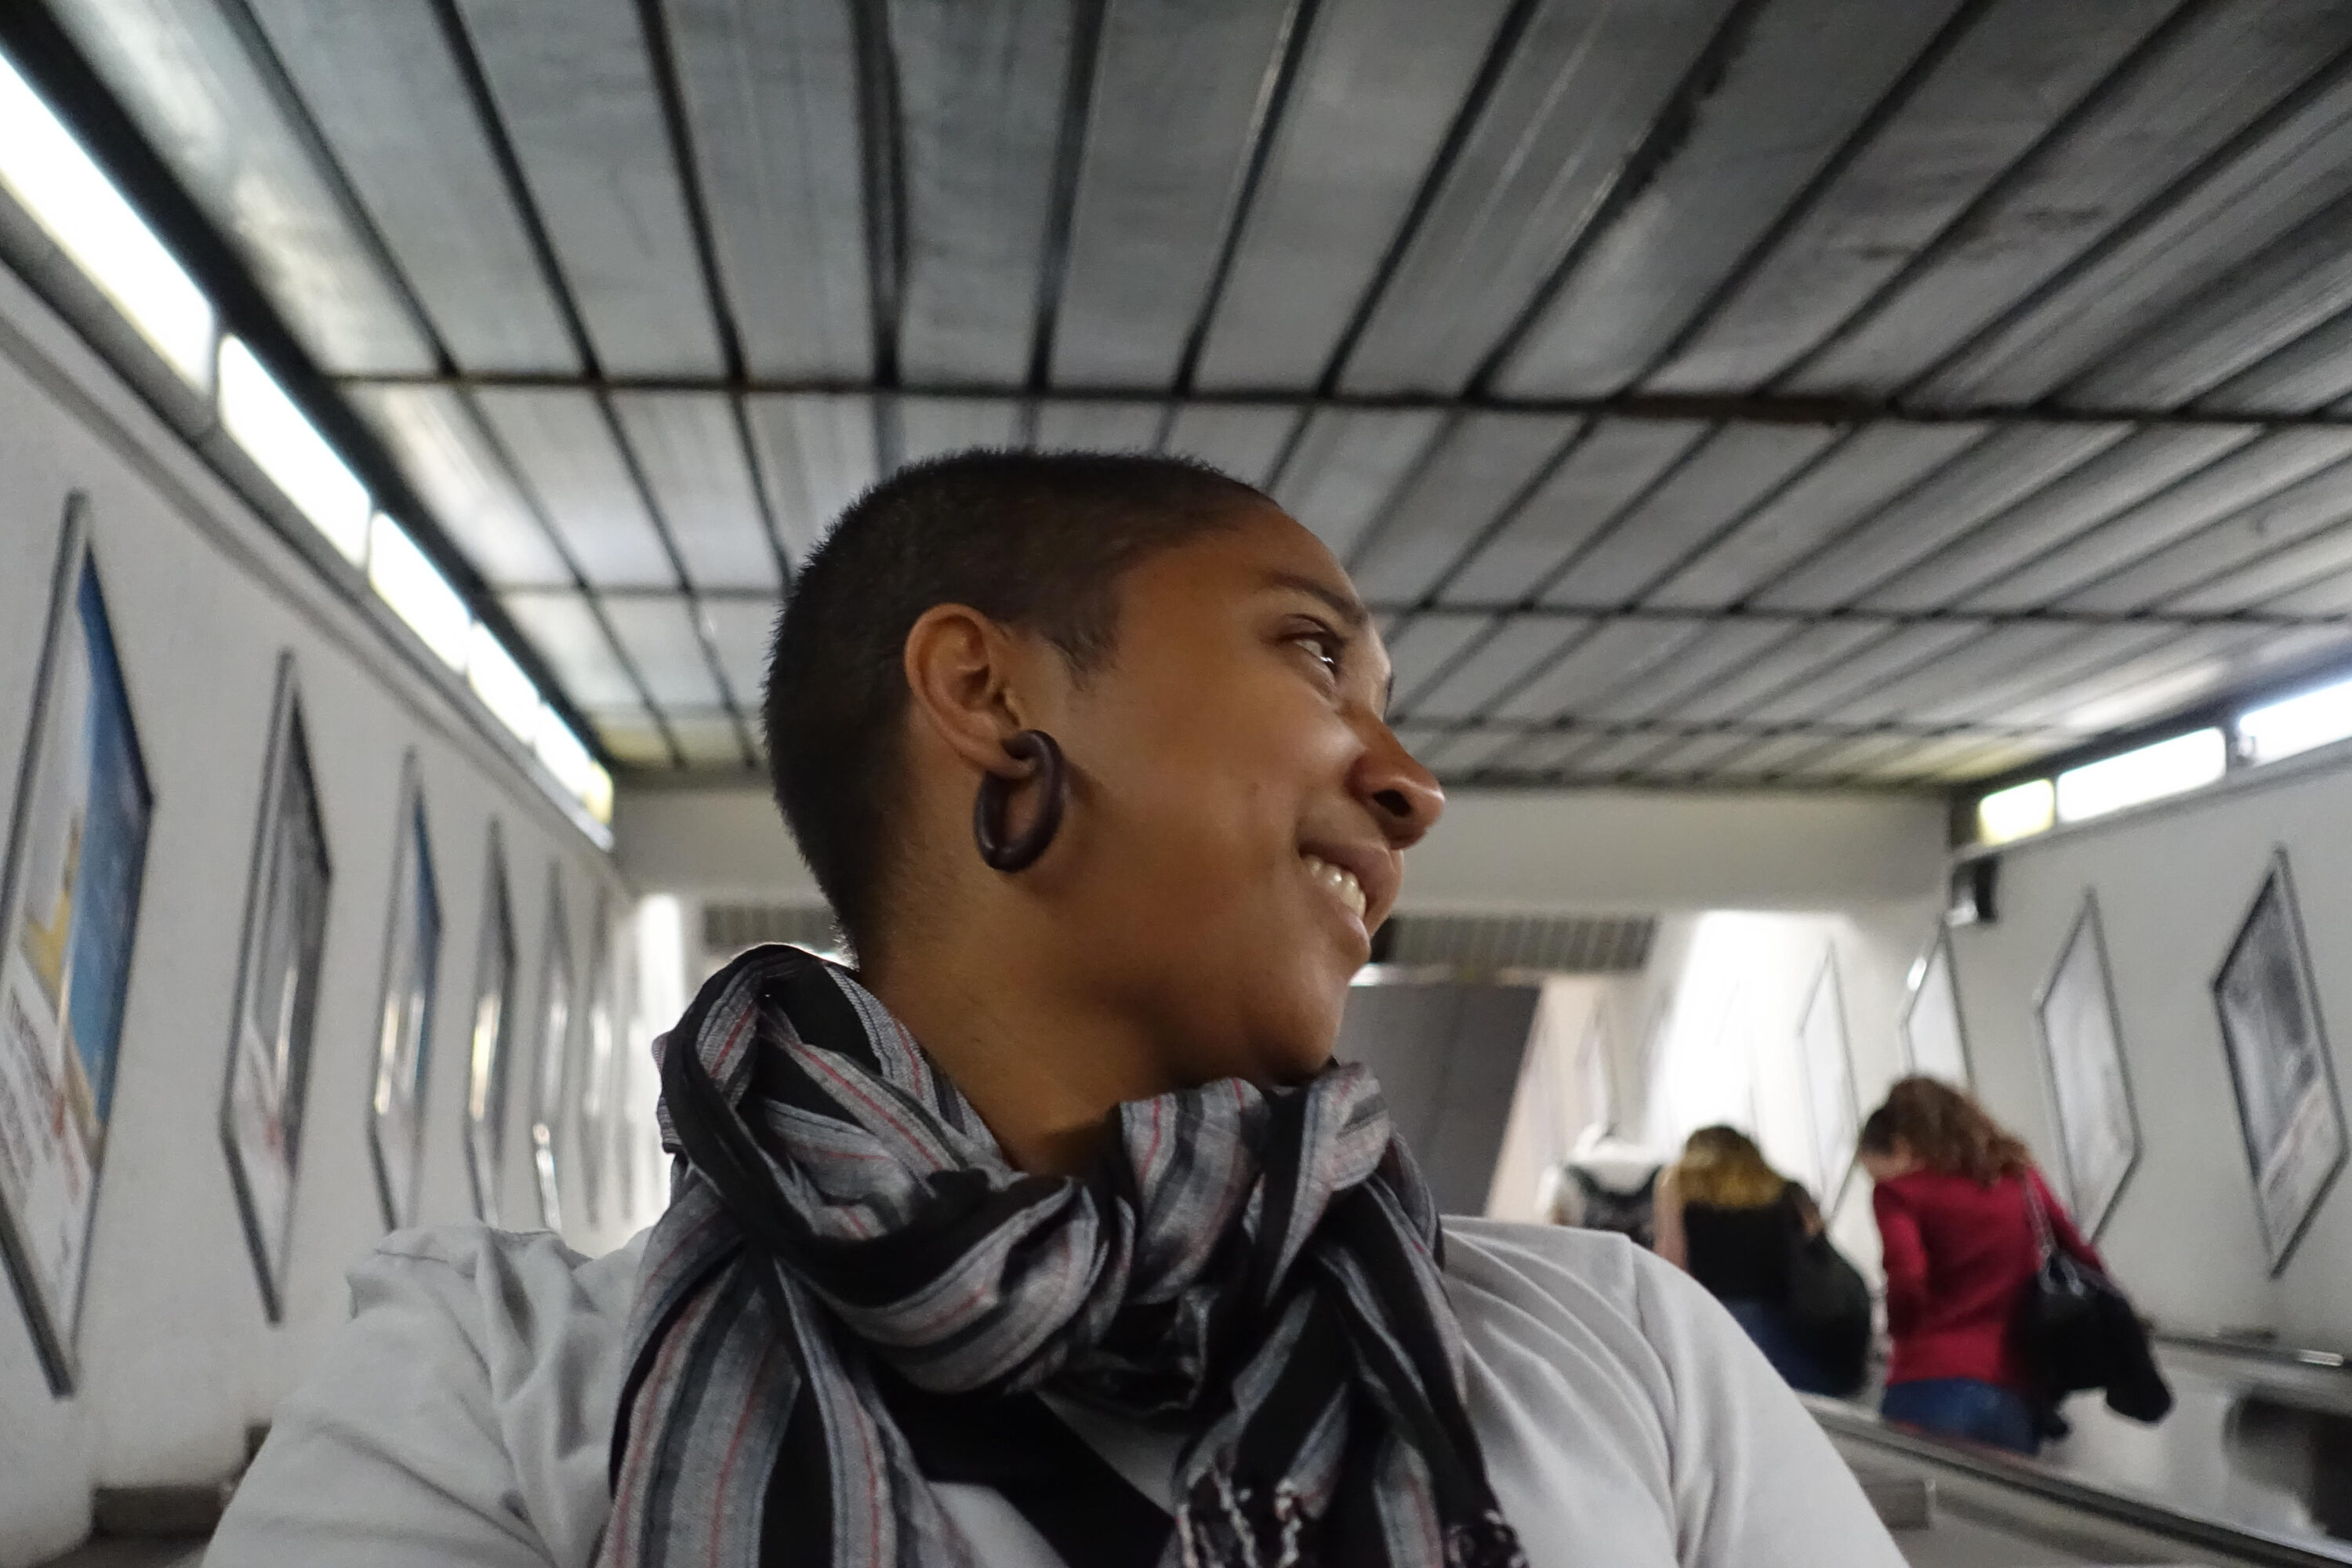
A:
x,y
68,913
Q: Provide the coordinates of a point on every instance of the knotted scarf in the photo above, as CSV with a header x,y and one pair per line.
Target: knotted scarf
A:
x,y
1258,1269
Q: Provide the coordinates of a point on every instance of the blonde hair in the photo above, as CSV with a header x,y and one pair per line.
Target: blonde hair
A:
x,y
1722,1168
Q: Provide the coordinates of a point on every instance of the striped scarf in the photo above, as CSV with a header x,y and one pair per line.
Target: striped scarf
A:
x,y
1262,1268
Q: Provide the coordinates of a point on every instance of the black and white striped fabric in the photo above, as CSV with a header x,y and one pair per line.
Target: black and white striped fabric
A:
x,y
1261,1267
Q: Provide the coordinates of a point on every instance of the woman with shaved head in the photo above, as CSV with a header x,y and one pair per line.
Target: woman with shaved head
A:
x,y
1050,1234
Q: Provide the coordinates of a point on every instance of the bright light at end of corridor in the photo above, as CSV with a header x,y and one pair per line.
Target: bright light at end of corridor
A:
x,y
69,196
2018,812
2298,724
2151,773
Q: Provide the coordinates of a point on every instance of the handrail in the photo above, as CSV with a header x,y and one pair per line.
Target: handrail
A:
x,y
2242,1542
2254,1349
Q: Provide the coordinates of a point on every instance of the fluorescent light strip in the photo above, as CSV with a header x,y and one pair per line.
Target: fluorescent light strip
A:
x,y
573,768
500,683
255,410
407,579
2018,812
2297,723
51,177
2134,778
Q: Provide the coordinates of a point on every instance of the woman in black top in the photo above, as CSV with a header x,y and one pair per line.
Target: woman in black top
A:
x,y
1731,1220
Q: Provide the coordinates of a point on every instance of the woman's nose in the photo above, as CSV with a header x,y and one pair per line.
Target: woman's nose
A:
x,y
1404,796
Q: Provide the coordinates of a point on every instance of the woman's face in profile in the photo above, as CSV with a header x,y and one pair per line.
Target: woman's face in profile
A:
x,y
1242,807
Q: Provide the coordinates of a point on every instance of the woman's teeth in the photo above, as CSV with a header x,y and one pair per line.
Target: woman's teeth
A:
x,y
1340,881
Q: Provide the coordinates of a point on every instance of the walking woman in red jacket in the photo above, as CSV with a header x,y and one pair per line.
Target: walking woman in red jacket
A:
x,y
1953,1200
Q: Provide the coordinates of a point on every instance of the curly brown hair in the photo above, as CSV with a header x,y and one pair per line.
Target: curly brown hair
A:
x,y
1946,1131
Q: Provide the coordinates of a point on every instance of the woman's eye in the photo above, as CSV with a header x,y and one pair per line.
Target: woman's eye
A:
x,y
1324,647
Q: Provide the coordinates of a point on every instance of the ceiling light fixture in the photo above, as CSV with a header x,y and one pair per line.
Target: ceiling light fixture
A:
x,y
2135,777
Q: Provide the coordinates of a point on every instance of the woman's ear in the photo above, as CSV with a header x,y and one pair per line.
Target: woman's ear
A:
x,y
961,669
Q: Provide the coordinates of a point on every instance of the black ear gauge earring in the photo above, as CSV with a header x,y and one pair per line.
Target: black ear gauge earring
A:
x,y
1044,759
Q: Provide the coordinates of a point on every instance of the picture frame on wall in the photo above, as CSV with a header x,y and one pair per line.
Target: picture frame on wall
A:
x,y
2289,1110
2083,1057
412,963
552,1080
1935,1043
1833,1111
489,1055
263,1091
69,895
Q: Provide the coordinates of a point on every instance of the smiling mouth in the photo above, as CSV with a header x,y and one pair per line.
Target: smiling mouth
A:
x,y
1340,881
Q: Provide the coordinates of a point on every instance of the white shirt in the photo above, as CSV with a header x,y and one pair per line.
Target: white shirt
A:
x,y
465,1413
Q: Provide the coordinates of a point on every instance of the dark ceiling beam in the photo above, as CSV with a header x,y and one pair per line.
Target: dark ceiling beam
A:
x,y
1766,408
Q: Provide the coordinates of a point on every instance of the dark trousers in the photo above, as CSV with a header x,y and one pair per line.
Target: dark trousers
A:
x,y
1767,1324
1965,1407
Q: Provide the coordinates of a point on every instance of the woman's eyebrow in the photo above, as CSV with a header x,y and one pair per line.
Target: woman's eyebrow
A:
x,y
1346,607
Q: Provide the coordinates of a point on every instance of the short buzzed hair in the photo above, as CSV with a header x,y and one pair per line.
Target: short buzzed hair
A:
x,y
1034,540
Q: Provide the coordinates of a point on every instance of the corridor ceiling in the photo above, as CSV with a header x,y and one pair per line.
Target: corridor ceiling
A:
x,y
1705,391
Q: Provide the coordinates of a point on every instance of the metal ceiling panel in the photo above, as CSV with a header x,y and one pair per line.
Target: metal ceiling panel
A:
x,y
1176,91
770,93
1961,756
2099,649
1529,751
2184,286
1473,751
2098,705
657,631
563,446
1609,467
1481,465
1828,689
1722,649
2148,465
742,631
708,739
1088,427
692,453
441,451
2311,372
1422,648
2264,580
1805,655
1857,756
1615,653
1614,756
565,631
2328,595
1721,483
1802,77
632,737
981,89
1911,699
1990,477
1518,646
183,70
2299,512
1346,464
1694,757
1873,467
2072,708
815,455
1244,439
380,83
575,92
2198,82
2226,489
1583,86
2019,66
1423,742
1378,85
934,426
1773,757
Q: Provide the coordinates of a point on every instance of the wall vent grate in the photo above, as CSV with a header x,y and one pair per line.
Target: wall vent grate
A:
x,y
1577,944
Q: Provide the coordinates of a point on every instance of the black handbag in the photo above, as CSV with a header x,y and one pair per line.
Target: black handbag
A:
x,y
1828,1304
2076,1331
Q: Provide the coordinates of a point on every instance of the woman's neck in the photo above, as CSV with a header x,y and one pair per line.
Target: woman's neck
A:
x,y
1042,1064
